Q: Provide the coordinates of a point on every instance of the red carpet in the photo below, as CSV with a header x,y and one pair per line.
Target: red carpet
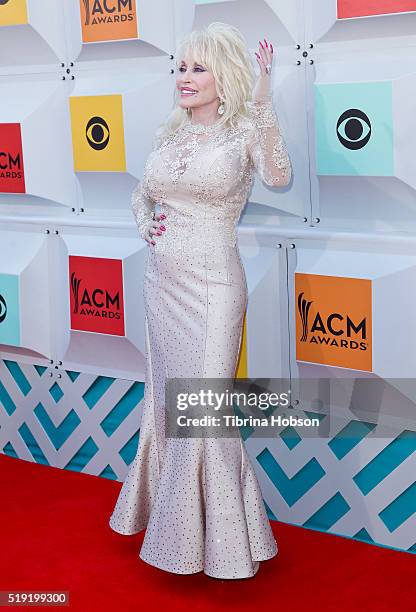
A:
x,y
55,535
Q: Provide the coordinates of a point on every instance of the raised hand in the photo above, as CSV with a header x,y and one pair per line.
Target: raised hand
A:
x,y
265,61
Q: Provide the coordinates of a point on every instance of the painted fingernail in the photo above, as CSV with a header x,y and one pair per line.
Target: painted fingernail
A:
x,y
163,216
153,242
261,44
159,233
162,227
271,47
265,42
257,54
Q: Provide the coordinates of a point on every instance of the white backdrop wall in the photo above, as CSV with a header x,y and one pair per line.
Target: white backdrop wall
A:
x,y
330,259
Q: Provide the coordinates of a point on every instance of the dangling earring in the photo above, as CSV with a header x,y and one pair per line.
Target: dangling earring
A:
x,y
221,107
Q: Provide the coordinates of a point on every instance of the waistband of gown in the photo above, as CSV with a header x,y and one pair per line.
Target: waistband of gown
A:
x,y
196,235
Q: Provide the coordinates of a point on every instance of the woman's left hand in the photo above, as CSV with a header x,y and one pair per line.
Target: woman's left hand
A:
x,y
264,59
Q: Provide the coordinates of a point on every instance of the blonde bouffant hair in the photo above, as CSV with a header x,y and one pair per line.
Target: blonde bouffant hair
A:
x,y
222,49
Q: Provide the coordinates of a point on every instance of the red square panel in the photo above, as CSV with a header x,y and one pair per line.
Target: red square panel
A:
x,y
364,8
96,295
12,172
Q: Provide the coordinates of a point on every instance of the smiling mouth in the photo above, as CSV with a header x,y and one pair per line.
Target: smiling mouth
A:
x,y
188,92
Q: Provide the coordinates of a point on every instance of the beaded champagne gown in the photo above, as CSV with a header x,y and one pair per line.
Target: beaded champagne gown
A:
x,y
199,498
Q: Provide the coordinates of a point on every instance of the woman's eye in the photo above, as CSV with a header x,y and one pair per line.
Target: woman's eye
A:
x,y
197,69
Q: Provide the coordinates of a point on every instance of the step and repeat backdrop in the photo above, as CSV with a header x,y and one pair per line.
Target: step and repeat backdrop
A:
x,y
330,259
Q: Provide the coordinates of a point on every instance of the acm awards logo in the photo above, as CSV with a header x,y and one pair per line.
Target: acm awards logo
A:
x,y
354,129
335,330
10,166
94,302
107,11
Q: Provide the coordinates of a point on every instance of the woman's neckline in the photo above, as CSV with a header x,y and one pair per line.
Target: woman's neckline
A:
x,y
200,128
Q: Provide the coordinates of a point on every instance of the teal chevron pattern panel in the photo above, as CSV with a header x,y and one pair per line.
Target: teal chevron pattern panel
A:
x,y
351,484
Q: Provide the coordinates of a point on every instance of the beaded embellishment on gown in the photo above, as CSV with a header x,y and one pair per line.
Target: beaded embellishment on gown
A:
x,y
199,498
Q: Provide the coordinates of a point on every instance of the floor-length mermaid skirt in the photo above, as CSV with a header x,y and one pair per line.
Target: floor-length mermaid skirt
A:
x,y
198,497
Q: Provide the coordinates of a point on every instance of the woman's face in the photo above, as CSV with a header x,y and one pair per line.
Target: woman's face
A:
x,y
197,78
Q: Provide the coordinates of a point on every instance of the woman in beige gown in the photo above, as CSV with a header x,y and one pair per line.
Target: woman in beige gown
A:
x,y
199,497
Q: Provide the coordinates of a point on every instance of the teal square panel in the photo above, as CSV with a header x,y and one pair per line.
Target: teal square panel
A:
x,y
354,129
9,310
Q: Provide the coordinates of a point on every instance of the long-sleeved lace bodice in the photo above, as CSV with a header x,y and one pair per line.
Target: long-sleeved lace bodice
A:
x,y
201,177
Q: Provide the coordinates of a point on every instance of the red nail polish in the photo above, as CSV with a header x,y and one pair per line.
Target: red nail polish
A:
x,y
159,233
153,242
261,44
162,227
163,216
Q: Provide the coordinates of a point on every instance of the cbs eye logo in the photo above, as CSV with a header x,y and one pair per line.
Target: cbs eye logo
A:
x,y
97,133
3,309
353,129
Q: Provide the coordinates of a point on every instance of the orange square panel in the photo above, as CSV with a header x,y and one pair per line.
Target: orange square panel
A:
x,y
334,320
